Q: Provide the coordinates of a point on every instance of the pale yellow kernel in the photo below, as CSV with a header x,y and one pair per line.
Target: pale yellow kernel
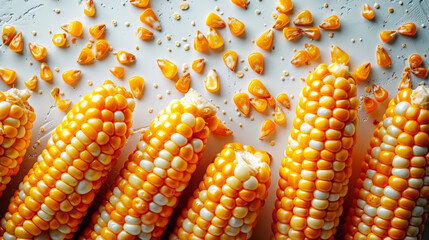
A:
x,y
223,112
186,47
225,101
159,96
114,22
176,16
155,85
159,41
272,142
90,83
252,118
184,6
31,63
240,74
376,5
177,44
275,15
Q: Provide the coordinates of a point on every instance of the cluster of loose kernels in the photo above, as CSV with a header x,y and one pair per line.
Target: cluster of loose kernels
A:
x,y
157,172
10,37
228,200
416,66
62,104
317,163
56,193
407,29
391,194
16,122
311,52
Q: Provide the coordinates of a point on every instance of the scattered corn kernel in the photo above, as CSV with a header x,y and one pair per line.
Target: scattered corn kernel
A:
x,y
149,18
89,8
168,68
313,51
265,40
303,18
256,62
215,40
338,55
214,21
63,104
86,56
97,31
406,79
125,57
415,61
198,65
283,99
184,83
144,34
45,72
312,32
230,59
362,72
332,22
8,33
242,102
55,93
421,72
59,39
301,57
281,21
260,104
31,83
101,48
408,29
212,81
236,26
268,127
38,51
292,32
271,101
383,59
74,28
284,6
140,3
222,130
17,43
200,42
136,86
240,3
257,88
279,115
387,36
380,94
71,76
117,71
8,76
367,12
369,104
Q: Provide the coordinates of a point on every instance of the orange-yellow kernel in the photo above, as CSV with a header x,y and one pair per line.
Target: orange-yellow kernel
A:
x,y
140,3
301,57
383,59
45,72
198,65
136,86
369,104
257,88
240,3
292,32
421,72
17,43
125,57
59,39
406,79
303,18
367,12
55,93
279,115
31,83
222,130
408,29
89,8
117,71
38,51
281,21
415,60
168,68
312,32
212,81
256,62
8,33
242,102
201,44
8,76
74,28
338,55
101,48
230,59
149,18
267,128
97,31
236,26
283,99
86,56
214,21
214,39
144,34
380,94
332,22
70,77
362,72
63,104
265,40
184,83
260,104
313,51
284,6
387,36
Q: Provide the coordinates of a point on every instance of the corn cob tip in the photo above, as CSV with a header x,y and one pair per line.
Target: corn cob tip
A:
x,y
204,106
420,97
339,70
18,97
251,161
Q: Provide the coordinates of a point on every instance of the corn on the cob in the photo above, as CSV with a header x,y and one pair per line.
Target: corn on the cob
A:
x,y
317,164
58,190
228,200
392,192
17,117
141,201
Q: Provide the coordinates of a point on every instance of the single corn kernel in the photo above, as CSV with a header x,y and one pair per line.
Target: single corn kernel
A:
x,y
367,12
74,28
117,71
313,51
59,39
387,36
260,104
281,21
271,101
257,88
415,60
45,72
86,56
380,94
8,33
230,59
256,62
332,22
200,42
89,9
125,57
198,65
303,18
421,72
214,38
312,32
240,3
63,104
212,81
8,76
406,79
55,93
284,6
408,29
144,34
242,102
265,40
184,83
283,99
168,68
236,26
71,76
17,43
301,57
214,21
338,55
362,72
38,51
149,18
136,86
140,3
97,31
101,48
383,59
267,128
222,130
31,83
369,104
279,115
292,32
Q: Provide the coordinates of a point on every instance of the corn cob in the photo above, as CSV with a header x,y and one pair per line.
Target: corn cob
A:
x,y
16,122
57,191
391,195
228,200
317,164
141,201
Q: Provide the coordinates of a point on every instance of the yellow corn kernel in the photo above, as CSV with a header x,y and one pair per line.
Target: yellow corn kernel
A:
x,y
8,33
406,79
292,32
236,26
117,71
240,3
63,104
86,56
367,12
8,76
222,130
301,57
55,93
332,22
101,48
312,32
136,86
214,21
303,18
125,57
415,60
271,101
265,40
284,6
198,65
313,51
279,115
256,62
212,81
362,72
230,59
257,88
89,9
149,18
45,72
38,51
268,127
200,42
338,55
168,68
383,59
281,21
421,72
380,94
74,28
184,83
283,99
242,102
387,36
17,44
214,38
140,3
71,76
31,83
408,29
260,104
59,39
97,31
369,104
144,34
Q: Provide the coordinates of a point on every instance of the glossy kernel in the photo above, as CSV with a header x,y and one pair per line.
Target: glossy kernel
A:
x,y
421,72
268,127
214,21
242,102
117,71
8,33
149,18
31,83
136,86
144,34
387,36
97,31
256,62
101,48
284,6
236,26
198,65
383,59
283,99
281,21
140,3
184,83
380,94
362,72
89,8
212,81
312,32
292,32
406,79
331,23
74,28
367,12
63,104
8,76
214,39
279,115
125,57
369,104
303,18
265,40
86,56
201,44
240,3
301,57
45,72
313,51
59,39
260,104
17,43
257,88
408,29
168,69
230,59
71,76
338,55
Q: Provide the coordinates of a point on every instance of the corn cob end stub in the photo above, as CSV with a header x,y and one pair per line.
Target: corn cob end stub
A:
x,y
204,106
420,97
18,97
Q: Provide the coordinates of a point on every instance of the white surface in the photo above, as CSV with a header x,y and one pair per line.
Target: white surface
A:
x,y
28,16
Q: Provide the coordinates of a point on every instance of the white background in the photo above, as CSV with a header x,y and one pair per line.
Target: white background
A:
x,y
38,16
